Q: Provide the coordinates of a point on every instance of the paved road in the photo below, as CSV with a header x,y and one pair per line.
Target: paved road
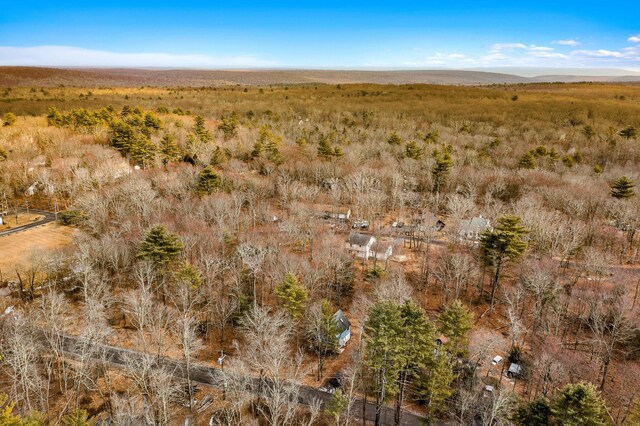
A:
x,y
211,376
48,217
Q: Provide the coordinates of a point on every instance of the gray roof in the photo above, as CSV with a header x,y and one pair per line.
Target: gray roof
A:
x,y
359,239
478,223
515,368
342,322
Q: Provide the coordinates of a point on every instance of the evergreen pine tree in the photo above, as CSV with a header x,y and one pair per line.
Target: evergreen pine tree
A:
x,y
502,244
324,148
208,181
385,352
142,150
160,246
292,295
170,149
441,169
394,139
535,413
527,161
413,151
455,322
578,405
434,384
201,130
623,188
152,122
78,417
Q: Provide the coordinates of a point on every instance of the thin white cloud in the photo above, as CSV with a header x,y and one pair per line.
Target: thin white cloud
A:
x,y
568,42
538,56
601,53
547,54
76,56
634,39
507,46
535,48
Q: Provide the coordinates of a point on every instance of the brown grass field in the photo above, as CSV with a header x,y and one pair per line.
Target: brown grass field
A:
x,y
24,247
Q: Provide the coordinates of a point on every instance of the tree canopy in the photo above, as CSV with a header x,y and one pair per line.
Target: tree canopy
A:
x,y
160,246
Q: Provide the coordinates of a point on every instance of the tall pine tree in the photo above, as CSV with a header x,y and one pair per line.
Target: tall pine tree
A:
x,y
503,244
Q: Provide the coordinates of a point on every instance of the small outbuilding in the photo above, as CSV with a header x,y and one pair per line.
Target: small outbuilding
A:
x,y
514,371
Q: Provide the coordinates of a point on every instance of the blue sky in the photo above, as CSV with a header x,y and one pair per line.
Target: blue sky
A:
x,y
330,34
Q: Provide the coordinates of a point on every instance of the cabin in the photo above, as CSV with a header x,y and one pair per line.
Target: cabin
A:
x,y
471,229
360,244
343,325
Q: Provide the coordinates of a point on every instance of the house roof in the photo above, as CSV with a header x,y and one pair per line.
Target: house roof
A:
x,y
359,239
477,223
515,368
381,246
342,322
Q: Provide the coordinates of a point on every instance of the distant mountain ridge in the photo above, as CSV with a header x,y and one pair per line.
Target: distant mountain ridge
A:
x,y
130,77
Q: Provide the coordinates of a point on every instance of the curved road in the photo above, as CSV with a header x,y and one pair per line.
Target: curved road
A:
x,y
211,376
48,217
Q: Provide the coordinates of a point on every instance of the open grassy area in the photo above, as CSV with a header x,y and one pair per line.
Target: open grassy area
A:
x,y
21,249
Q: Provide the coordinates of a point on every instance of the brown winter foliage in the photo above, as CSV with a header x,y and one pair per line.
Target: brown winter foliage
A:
x,y
246,179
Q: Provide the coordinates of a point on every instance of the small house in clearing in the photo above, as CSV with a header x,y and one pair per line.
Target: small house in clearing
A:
x,y
360,244
471,229
343,325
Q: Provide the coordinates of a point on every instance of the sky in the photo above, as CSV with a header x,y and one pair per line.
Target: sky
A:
x,y
322,35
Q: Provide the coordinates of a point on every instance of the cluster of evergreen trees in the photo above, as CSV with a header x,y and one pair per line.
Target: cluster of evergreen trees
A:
x,y
401,350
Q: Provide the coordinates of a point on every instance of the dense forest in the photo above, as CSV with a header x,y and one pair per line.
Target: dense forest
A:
x,y
477,246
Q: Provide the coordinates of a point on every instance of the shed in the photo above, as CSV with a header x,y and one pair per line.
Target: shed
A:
x,y
343,325
514,370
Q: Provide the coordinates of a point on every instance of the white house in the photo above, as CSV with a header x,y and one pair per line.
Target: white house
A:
x,y
360,244
343,326
471,229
